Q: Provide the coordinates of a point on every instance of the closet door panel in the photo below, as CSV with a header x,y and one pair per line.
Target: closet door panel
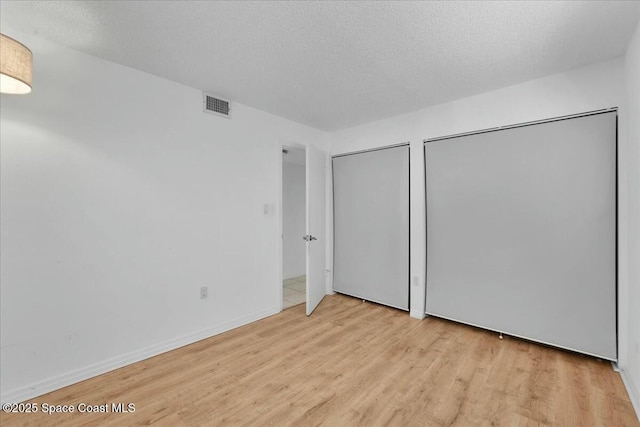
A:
x,y
371,225
521,232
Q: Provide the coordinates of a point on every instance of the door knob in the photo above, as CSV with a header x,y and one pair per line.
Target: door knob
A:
x,y
308,238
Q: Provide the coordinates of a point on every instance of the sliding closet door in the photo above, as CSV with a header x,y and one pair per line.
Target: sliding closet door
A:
x,y
371,225
521,232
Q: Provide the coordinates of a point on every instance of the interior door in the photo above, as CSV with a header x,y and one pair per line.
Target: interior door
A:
x,y
315,237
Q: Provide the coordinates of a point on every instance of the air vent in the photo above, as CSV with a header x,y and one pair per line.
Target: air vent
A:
x,y
215,105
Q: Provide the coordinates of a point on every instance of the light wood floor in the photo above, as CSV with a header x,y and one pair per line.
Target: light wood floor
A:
x,y
353,363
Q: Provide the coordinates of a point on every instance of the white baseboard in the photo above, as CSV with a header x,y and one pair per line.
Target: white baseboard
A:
x,y
417,314
54,383
632,390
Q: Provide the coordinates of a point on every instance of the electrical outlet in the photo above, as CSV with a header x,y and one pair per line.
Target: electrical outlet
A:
x,y
204,292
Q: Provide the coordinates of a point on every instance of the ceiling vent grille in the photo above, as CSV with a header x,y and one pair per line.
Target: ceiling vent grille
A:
x,y
214,105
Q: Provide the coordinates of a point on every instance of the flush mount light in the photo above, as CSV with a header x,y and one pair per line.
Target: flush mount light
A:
x,y
15,66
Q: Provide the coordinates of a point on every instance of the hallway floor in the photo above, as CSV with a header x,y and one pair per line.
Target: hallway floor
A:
x,y
294,291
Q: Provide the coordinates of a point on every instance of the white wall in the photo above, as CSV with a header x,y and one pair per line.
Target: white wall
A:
x,y
120,198
293,220
629,224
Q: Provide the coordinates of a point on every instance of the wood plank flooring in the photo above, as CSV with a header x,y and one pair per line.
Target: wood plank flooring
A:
x,y
349,364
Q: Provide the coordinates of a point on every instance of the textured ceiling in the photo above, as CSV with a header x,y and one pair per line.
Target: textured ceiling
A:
x,y
332,65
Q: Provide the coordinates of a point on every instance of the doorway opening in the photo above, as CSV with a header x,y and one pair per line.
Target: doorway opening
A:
x,y
294,283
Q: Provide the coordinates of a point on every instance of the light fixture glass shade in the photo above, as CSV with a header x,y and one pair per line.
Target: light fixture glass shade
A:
x,y
15,66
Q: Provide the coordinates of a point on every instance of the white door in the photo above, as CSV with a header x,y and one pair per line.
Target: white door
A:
x,y
315,236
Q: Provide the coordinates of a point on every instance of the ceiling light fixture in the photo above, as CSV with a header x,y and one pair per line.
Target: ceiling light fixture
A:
x,y
15,66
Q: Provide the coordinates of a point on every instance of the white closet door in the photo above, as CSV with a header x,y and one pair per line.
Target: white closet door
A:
x,y
521,232
371,225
